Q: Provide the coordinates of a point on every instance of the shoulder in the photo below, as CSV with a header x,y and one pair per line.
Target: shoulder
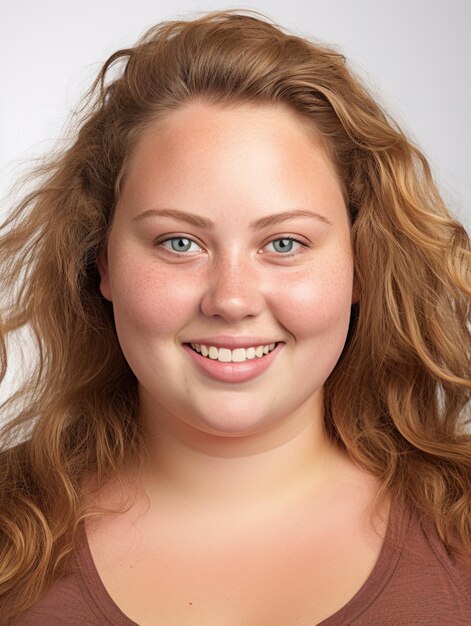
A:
x,y
63,603
415,580
428,581
456,566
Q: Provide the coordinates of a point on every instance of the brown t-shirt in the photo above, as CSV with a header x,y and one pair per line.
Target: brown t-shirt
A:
x,y
414,582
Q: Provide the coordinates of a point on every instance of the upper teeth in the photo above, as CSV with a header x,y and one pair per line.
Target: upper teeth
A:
x,y
237,356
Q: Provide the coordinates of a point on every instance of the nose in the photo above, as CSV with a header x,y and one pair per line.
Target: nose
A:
x,y
234,289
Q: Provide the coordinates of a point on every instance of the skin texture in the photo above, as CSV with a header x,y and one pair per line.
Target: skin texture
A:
x,y
220,444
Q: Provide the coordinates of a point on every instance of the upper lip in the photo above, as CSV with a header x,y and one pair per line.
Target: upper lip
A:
x,y
231,341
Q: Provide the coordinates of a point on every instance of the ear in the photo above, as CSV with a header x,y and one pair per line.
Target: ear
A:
x,y
103,270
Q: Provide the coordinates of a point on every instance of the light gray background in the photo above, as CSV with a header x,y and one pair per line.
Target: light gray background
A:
x,y
414,54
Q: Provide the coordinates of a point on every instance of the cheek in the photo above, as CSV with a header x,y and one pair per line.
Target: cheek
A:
x,y
147,300
317,304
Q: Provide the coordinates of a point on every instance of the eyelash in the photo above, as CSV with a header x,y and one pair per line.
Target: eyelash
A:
x,y
289,237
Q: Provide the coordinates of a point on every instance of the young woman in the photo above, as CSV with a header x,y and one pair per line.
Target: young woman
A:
x,y
252,318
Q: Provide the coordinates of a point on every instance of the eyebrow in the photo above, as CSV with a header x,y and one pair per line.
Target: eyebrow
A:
x,y
258,224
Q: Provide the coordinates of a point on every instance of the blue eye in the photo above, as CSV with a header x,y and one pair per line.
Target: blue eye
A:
x,y
180,244
287,245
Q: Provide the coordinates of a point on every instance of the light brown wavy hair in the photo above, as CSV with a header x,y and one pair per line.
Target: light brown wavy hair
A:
x,y
398,398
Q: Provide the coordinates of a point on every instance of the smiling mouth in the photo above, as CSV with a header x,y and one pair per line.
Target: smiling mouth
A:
x,y
237,355
228,371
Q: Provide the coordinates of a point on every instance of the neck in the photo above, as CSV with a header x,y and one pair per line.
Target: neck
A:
x,y
192,468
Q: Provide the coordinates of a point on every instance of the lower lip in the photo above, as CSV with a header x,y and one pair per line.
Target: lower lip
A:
x,y
233,372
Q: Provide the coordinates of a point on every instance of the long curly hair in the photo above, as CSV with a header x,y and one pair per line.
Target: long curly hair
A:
x,y
398,398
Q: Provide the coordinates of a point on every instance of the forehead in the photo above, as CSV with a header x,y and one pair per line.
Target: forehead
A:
x,y
200,117
249,155
201,124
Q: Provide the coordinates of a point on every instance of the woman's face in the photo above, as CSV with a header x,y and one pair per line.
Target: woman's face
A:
x,y
223,271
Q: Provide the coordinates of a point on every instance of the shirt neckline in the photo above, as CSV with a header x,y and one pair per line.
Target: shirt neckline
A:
x,y
399,518
101,603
